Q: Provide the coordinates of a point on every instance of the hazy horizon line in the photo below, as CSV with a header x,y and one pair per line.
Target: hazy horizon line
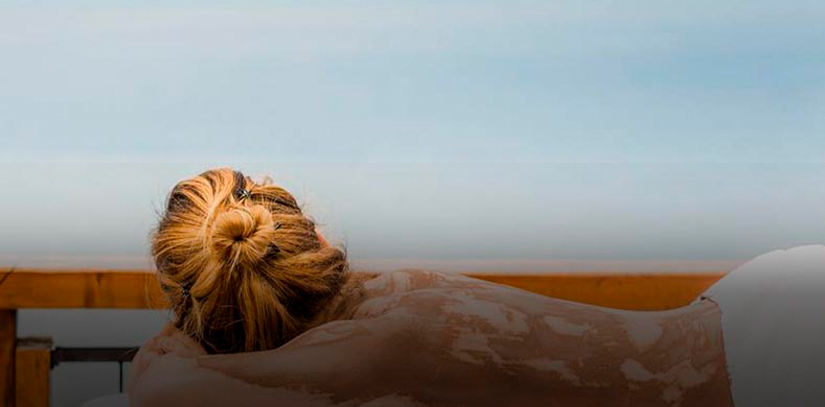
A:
x,y
481,266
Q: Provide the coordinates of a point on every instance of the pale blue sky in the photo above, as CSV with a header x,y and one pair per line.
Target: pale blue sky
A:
x,y
402,121
431,130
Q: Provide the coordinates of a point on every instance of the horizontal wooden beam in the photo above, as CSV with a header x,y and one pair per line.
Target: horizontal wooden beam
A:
x,y
644,292
44,288
93,288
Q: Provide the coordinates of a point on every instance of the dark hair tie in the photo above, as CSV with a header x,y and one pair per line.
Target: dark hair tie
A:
x,y
184,288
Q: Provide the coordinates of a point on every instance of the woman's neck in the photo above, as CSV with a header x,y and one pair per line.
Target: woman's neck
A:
x,y
345,301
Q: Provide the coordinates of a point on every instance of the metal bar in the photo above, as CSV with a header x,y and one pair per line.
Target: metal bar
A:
x,y
120,355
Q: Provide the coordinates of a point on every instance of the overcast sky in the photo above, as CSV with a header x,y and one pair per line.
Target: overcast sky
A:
x,y
441,130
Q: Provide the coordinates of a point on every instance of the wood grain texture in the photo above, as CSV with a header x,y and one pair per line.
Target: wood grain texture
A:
x,y
644,292
34,288
8,338
33,366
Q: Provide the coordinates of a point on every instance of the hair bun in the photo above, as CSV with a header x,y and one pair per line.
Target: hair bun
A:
x,y
242,235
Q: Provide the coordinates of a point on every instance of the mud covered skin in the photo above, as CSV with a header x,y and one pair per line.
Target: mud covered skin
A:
x,y
412,338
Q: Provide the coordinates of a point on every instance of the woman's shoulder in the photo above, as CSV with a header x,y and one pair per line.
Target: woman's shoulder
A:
x,y
431,294
407,280
406,291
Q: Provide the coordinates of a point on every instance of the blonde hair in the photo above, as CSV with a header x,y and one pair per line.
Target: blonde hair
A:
x,y
243,268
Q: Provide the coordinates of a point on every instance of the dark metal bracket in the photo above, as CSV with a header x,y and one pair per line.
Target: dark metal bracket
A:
x,y
119,355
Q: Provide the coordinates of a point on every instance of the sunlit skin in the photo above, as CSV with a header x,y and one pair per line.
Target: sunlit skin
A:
x,y
321,238
413,338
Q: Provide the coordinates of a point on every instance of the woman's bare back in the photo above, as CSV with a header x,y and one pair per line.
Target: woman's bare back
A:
x,y
446,340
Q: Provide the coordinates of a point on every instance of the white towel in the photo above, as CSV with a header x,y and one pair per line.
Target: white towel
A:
x,y
773,323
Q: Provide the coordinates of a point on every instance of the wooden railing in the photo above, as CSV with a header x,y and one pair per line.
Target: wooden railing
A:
x,y
25,363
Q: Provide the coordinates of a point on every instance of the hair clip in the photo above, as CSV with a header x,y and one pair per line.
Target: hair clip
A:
x,y
272,251
242,193
184,288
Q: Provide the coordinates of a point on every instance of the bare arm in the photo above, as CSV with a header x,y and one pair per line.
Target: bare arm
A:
x,y
175,381
166,373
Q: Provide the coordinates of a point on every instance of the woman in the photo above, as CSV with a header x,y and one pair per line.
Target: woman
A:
x,y
267,312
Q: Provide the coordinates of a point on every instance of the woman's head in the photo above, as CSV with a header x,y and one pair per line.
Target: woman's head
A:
x,y
242,266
